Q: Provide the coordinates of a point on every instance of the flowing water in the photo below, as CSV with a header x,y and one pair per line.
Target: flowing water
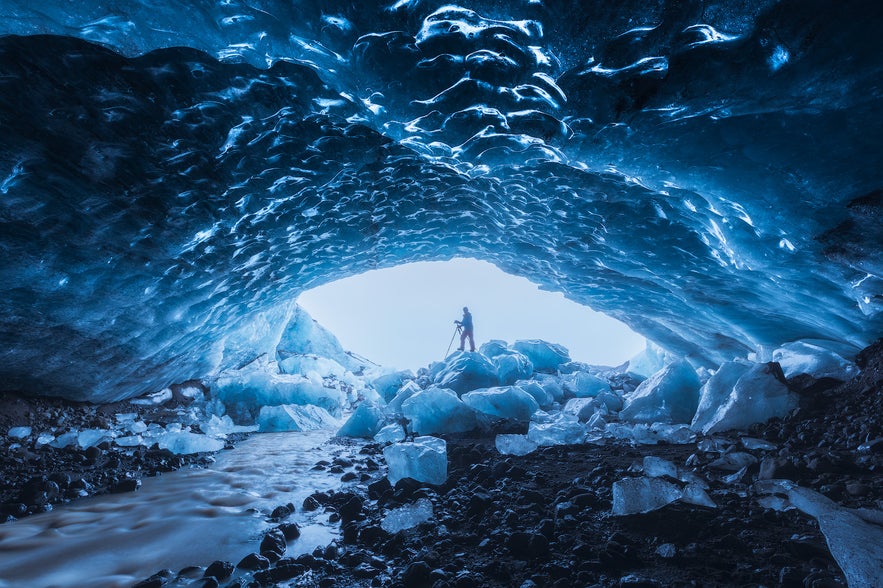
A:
x,y
188,517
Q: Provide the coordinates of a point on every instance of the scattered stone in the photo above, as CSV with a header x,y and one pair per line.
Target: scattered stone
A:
x,y
220,570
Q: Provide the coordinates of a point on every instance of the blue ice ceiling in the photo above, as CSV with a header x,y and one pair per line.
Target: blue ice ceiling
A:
x,y
173,174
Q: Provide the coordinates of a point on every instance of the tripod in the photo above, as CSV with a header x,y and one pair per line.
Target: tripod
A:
x,y
454,336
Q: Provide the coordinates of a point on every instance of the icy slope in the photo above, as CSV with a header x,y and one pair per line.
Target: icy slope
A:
x,y
709,175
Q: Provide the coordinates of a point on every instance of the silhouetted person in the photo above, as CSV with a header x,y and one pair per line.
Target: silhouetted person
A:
x,y
466,326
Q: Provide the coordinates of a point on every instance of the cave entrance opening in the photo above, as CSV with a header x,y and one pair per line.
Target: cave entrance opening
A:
x,y
403,317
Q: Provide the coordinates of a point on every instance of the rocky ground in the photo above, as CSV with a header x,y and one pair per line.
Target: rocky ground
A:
x,y
545,519
34,477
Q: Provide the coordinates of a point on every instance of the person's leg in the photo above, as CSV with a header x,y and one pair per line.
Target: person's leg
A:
x,y
463,334
471,341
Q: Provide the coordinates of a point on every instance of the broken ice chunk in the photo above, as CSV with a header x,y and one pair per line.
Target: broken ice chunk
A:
x,y
163,395
129,441
733,462
656,467
294,417
184,443
543,355
365,421
391,433
425,460
752,443
504,402
638,495
514,444
512,366
564,430
387,385
437,410
405,517
584,385
19,432
804,357
92,437
44,439
65,440
669,396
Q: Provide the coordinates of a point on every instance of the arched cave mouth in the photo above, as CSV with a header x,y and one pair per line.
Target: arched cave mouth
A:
x,y
402,317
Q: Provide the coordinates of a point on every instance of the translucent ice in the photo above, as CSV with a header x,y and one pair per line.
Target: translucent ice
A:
x,y
854,536
584,385
304,364
756,397
493,348
91,437
391,433
425,460
640,495
512,367
670,395
258,385
387,385
552,385
185,443
543,355
294,417
65,439
215,426
437,410
813,358
406,391
464,371
656,467
408,516
365,422
582,408
504,402
160,397
647,362
543,398
304,336
129,441
562,430
644,434
514,444
19,432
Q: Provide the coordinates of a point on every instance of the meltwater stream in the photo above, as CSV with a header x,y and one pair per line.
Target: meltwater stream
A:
x,y
188,517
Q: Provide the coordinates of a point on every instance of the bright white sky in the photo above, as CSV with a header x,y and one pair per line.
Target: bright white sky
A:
x,y
403,317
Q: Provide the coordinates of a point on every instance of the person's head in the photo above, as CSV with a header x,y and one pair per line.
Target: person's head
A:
x,y
465,309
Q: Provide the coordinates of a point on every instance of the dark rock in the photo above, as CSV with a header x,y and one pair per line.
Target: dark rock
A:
x,y
289,530
209,582
273,545
220,570
280,573
254,561
633,581
311,503
773,468
125,485
377,489
349,507
327,582
527,545
365,570
417,575
282,512
156,580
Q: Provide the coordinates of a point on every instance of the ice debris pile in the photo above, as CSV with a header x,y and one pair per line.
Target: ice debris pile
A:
x,y
172,179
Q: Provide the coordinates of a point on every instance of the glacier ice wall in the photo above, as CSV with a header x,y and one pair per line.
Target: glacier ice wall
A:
x,y
171,178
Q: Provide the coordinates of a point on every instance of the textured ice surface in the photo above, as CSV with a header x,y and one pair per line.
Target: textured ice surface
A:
x,y
387,385
503,402
514,444
92,437
464,371
425,460
583,385
543,355
755,397
408,516
365,421
19,432
294,417
804,357
185,442
512,367
170,186
543,398
640,495
644,434
438,410
391,433
669,395
854,536
257,385
647,362
563,429
405,392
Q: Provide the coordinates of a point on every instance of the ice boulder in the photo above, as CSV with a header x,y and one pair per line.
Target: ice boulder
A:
x,y
185,443
647,362
438,410
716,391
93,437
562,430
294,417
425,459
504,402
365,422
391,433
387,385
641,495
514,444
304,364
409,389
552,385
756,397
581,408
304,336
669,395
543,355
408,516
803,357
464,371
512,367
259,384
543,398
493,348
584,385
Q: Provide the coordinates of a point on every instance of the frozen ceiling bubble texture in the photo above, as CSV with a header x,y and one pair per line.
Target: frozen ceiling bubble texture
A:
x,y
708,173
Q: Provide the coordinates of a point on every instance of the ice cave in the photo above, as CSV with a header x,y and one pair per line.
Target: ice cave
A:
x,y
174,175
